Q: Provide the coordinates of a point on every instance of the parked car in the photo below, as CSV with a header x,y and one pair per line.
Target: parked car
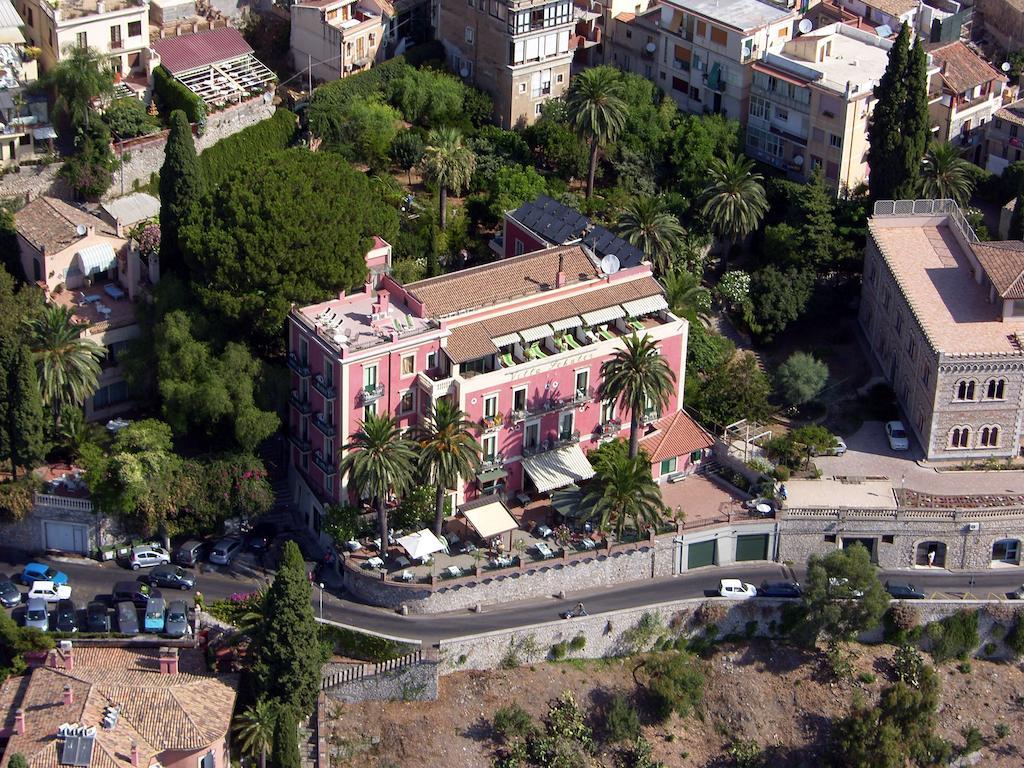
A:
x,y
170,576
1018,593
133,591
67,616
736,589
127,618
153,620
36,615
225,551
97,617
34,572
49,591
147,555
838,449
903,591
779,589
897,435
10,595
176,624
190,552
259,538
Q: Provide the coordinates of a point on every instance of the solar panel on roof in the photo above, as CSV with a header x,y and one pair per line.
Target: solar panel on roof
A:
x,y
78,747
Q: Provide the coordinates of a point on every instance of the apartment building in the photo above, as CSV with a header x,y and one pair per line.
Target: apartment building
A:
x,y
116,28
963,95
23,114
517,344
809,104
943,315
706,48
516,50
883,17
1004,136
337,37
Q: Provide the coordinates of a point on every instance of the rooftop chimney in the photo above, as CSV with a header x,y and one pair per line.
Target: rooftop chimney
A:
x,y
381,306
135,754
560,277
69,656
168,661
368,285
341,295
69,695
19,722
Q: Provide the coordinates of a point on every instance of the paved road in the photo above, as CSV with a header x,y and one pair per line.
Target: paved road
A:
x,y
869,455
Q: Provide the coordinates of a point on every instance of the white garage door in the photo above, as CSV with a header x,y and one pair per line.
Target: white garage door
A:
x,y
66,537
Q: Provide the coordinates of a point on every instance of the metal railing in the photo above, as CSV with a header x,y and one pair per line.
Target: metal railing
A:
x,y
325,427
325,466
301,403
360,671
371,393
62,502
299,367
327,390
928,208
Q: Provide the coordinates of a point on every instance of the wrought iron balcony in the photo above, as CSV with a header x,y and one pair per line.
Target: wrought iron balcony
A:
x,y
325,427
492,423
302,443
489,463
649,417
371,393
301,367
582,396
300,403
327,467
329,391
552,444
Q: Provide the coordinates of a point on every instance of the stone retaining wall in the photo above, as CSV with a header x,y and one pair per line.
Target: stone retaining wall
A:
x,y
28,535
414,682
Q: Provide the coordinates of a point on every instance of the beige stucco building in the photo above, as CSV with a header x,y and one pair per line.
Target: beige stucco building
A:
x,y
944,316
516,50
337,37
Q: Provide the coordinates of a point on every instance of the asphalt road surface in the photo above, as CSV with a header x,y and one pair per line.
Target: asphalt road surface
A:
x,y
90,579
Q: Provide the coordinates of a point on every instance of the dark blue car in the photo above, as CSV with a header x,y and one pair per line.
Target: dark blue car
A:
x,y
41,572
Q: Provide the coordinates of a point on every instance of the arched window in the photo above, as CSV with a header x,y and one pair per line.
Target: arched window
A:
x,y
995,388
989,437
959,437
965,390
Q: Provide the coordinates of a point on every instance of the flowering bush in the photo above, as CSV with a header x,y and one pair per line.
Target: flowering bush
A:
x,y
149,239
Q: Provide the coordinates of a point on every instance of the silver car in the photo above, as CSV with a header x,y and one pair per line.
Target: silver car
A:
x,y
36,615
225,550
176,624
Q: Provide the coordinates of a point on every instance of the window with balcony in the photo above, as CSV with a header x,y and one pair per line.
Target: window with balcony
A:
x,y
565,425
759,107
531,436
369,376
431,360
582,383
519,399
490,448
607,411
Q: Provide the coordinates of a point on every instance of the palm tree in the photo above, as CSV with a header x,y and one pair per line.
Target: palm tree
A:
x,y
945,175
596,111
254,728
647,223
624,492
68,366
447,451
686,295
82,75
379,462
634,377
734,200
449,163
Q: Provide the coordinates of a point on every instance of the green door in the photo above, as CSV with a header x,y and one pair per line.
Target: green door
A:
x,y
752,547
701,554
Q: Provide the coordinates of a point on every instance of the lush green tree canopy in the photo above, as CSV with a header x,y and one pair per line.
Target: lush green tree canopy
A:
x,y
512,186
128,118
734,391
843,595
181,187
801,378
366,129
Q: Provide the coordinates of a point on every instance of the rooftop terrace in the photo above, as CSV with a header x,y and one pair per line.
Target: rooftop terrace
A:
x,y
355,322
97,304
76,9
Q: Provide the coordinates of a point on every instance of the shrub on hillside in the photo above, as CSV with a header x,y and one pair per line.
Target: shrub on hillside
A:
x,y
270,135
953,637
621,721
675,683
900,621
513,721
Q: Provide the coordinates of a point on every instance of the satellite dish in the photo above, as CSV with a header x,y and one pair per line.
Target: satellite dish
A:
x,y
464,72
798,161
651,47
805,26
81,229
1005,66
610,264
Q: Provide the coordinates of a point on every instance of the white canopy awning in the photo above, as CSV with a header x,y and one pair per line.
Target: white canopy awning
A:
x,y
421,544
558,468
645,306
536,333
96,258
490,520
605,315
570,322
504,341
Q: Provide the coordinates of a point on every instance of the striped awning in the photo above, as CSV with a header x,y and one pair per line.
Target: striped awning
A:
x,y
558,468
536,333
645,306
605,315
96,258
504,341
570,322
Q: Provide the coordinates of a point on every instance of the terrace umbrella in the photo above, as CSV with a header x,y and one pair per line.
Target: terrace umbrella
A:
x,y
421,544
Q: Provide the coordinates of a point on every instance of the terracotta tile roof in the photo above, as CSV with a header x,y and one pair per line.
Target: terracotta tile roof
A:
x,y
473,340
180,54
892,7
188,711
960,67
503,280
1012,113
1003,262
51,224
675,435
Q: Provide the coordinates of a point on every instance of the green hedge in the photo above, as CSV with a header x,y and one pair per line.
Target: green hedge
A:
x,y
171,95
257,140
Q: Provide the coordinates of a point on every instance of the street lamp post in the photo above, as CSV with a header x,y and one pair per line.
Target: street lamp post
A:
x,y
321,585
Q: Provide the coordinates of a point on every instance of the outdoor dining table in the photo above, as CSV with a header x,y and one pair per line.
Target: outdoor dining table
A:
x,y
375,562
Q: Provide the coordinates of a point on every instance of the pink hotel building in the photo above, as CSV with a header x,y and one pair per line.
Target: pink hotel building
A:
x,y
517,343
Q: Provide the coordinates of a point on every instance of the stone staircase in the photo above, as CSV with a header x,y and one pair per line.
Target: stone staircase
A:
x,y
309,749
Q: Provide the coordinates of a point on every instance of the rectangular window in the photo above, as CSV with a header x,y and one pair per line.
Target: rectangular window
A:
x,y
408,402
680,85
607,411
82,40
490,447
110,395
408,365
369,410
719,36
582,383
816,163
370,375
565,424
134,28
668,466
758,107
835,141
469,35
531,435
490,405
431,360
702,29
781,114
519,399
115,36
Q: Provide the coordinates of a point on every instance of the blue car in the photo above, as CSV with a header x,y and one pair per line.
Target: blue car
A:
x,y
153,621
41,572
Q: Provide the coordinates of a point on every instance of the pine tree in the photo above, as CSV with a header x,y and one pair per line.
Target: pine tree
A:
x,y
21,407
884,133
181,185
916,121
288,650
285,752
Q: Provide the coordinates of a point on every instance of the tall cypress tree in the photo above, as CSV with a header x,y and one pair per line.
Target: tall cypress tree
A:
x,y
884,133
181,185
21,406
285,750
915,122
289,653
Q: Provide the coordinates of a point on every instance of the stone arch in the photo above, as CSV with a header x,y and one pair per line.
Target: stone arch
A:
x,y
930,553
960,436
965,389
1006,551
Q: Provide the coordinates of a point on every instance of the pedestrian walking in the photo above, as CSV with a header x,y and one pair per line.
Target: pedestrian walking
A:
x,y
200,603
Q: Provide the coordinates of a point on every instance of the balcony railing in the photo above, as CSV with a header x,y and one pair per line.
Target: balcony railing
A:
x,y
371,393
489,463
609,428
552,444
327,390
492,423
649,417
327,467
581,397
302,443
438,387
325,427
297,366
300,403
